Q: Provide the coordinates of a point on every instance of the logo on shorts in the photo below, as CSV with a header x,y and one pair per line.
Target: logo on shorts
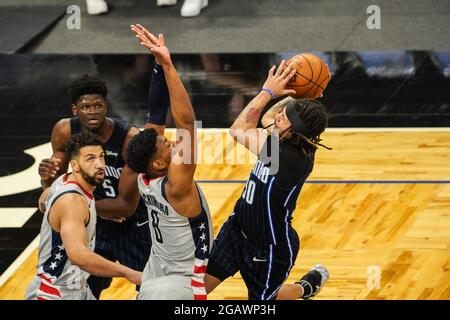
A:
x,y
141,224
259,260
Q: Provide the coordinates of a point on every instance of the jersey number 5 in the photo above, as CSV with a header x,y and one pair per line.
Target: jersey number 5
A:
x,y
109,189
155,224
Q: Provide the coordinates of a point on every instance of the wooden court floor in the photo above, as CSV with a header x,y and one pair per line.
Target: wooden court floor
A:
x,y
376,212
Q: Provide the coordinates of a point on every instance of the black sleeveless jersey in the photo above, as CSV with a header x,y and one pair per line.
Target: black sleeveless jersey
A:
x,y
264,210
114,163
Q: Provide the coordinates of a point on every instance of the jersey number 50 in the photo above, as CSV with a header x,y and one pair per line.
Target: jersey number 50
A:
x,y
249,191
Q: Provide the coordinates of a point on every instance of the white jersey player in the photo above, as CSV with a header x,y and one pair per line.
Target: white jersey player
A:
x,y
180,246
180,222
56,276
66,257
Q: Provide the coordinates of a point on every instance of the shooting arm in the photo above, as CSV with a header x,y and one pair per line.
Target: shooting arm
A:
x,y
244,129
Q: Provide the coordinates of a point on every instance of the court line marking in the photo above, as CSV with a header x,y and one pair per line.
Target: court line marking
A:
x,y
20,260
343,129
345,181
28,179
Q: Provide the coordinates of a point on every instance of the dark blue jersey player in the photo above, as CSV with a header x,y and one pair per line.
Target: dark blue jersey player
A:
x,y
258,239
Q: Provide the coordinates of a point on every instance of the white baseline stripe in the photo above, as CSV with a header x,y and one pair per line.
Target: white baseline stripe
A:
x,y
349,129
21,259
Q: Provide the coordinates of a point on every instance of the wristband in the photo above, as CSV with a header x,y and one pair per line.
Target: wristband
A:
x,y
269,91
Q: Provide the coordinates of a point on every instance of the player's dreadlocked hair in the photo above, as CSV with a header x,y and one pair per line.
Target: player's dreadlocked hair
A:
x,y
87,85
313,114
140,150
80,140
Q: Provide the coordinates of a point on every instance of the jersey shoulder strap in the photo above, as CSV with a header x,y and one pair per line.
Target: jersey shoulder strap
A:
x,y
75,125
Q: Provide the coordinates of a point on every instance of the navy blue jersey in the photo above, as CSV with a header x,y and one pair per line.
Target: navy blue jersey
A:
x,y
264,210
113,163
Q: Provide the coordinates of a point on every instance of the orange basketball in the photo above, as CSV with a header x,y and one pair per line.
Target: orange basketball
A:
x,y
311,78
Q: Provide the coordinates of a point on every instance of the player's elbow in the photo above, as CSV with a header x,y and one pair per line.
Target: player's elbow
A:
x,y
128,212
128,207
234,132
77,256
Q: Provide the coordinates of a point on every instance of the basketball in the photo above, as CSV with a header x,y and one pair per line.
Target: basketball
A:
x,y
311,77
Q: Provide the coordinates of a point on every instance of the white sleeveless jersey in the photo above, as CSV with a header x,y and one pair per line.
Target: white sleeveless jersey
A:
x,y
54,267
180,245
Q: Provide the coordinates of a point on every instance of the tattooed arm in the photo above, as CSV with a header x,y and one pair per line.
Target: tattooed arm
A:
x,y
244,128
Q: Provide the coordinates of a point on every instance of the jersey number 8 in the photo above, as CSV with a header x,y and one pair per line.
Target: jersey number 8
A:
x,y
155,224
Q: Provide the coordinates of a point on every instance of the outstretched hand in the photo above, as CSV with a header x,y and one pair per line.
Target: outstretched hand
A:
x,y
156,45
278,78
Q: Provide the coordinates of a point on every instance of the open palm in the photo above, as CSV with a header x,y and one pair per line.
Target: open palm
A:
x,y
156,45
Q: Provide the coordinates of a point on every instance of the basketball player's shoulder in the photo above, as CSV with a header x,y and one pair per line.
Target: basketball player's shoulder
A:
x,y
68,196
293,164
62,126
295,159
61,133
291,153
73,204
131,132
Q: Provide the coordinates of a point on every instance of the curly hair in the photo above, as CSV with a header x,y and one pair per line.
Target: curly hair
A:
x,y
80,140
140,150
313,114
87,85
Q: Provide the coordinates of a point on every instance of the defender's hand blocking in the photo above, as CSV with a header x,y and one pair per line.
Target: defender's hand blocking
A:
x,y
48,168
156,45
277,80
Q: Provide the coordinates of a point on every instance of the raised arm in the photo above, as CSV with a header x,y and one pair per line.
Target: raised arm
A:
x,y
244,128
124,205
158,100
180,183
73,213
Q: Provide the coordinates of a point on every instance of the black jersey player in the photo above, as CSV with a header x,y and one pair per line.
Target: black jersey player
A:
x,y
258,239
